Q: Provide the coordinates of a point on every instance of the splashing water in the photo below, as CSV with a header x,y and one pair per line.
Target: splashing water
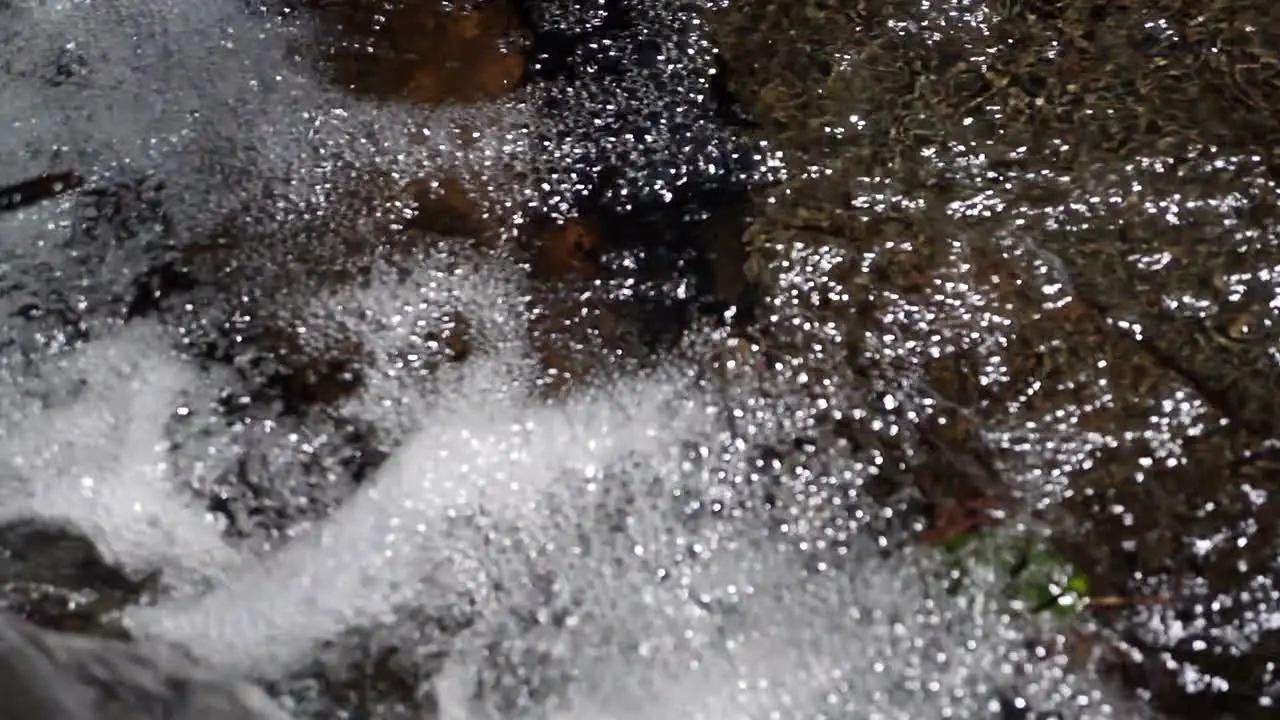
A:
x,y
98,460
474,454
605,553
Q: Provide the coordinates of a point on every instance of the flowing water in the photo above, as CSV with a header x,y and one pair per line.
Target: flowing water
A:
x,y
643,358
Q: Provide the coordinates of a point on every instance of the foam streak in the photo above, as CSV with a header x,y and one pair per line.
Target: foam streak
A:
x,y
378,552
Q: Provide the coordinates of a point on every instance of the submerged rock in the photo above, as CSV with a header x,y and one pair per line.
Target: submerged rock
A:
x,y
59,676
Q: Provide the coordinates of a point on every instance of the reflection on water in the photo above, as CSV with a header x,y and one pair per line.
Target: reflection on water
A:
x,y
1060,222
931,270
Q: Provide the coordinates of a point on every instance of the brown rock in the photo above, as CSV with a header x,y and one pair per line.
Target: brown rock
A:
x,y
425,51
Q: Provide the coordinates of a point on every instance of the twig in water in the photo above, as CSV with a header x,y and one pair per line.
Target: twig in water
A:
x,y
1118,601
39,189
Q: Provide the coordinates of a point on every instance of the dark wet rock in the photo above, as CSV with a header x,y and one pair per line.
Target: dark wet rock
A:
x,y
58,676
422,52
42,551
54,576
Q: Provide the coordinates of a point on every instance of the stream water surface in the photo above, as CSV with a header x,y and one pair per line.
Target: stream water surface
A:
x,y
646,359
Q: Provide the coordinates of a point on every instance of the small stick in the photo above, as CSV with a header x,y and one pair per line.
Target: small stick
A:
x,y
1116,601
39,189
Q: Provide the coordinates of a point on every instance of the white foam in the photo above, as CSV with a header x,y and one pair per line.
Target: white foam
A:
x,y
878,639
392,545
145,75
392,315
99,460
